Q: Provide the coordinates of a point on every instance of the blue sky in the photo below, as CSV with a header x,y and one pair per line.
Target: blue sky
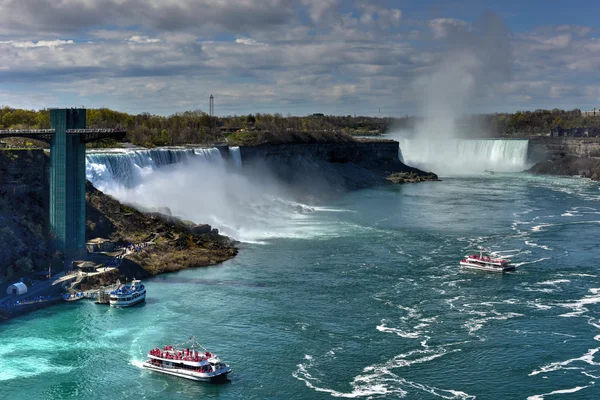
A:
x,y
380,57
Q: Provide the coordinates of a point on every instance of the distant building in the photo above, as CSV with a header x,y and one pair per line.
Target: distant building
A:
x,y
99,244
574,132
230,129
594,113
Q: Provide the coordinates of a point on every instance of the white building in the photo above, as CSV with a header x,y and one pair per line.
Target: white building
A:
x,y
17,288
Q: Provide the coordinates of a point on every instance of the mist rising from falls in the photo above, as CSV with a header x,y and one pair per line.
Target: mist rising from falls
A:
x,y
447,157
475,60
200,186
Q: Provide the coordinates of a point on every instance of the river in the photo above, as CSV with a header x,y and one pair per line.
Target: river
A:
x,y
361,298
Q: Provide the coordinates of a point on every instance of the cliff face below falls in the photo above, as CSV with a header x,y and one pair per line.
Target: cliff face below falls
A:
x,y
325,168
23,211
565,156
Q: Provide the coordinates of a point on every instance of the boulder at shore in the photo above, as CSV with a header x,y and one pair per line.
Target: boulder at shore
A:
x,y
411,177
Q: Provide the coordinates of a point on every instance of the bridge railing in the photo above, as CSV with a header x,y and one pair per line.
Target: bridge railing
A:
x,y
26,131
84,131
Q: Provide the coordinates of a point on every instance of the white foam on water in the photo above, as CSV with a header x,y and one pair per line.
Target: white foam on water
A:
x,y
587,358
537,305
571,214
555,282
543,333
561,391
24,357
540,246
584,275
579,306
590,375
333,210
538,228
22,366
379,380
541,227
473,325
531,262
136,363
451,301
400,332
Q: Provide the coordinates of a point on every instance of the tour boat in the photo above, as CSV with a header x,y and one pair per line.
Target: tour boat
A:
x,y
486,263
187,362
128,295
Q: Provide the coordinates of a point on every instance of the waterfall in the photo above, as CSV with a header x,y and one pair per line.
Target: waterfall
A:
x,y
236,156
128,167
464,156
196,184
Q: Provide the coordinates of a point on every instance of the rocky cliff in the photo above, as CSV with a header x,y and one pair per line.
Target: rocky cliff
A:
x,y
565,156
23,211
24,225
330,167
543,148
175,244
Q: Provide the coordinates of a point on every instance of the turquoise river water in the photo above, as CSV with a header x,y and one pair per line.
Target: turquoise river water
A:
x,y
362,298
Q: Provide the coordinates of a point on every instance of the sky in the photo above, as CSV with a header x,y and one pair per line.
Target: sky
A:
x,y
298,57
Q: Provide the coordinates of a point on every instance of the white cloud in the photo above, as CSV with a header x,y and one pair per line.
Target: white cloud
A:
x,y
249,42
275,55
40,43
142,39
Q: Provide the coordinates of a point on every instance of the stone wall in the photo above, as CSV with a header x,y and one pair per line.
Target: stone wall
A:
x,y
548,148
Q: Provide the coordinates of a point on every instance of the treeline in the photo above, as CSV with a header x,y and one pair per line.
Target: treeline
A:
x,y
526,123
197,127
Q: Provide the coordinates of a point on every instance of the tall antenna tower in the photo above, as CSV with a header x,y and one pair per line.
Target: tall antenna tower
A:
x,y
211,105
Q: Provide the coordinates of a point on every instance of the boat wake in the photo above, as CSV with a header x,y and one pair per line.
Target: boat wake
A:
x,y
136,363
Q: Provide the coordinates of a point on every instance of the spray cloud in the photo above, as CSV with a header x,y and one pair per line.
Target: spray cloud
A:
x,y
476,58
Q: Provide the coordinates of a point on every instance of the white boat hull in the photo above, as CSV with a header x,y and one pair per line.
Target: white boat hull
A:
x,y
486,267
192,375
121,304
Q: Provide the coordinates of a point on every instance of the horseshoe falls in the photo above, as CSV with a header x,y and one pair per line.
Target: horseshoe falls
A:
x,y
449,157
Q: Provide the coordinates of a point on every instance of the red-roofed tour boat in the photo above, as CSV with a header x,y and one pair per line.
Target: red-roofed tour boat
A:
x,y
187,362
